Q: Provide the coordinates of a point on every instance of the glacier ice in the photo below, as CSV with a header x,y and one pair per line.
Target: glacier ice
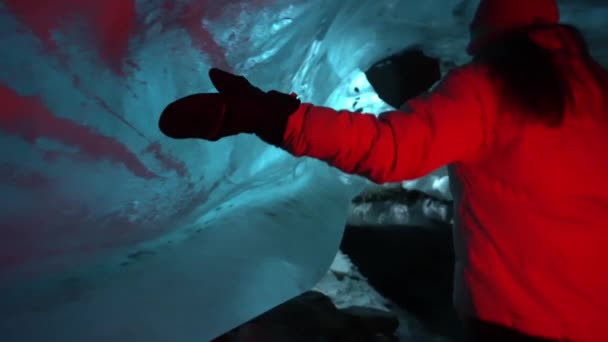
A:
x,y
108,230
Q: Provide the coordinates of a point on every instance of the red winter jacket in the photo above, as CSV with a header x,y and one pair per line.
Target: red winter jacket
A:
x,y
531,231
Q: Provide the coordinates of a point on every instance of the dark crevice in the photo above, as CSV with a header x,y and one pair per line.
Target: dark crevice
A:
x,y
411,266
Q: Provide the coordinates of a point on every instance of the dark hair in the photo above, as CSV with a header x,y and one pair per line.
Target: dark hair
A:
x,y
529,78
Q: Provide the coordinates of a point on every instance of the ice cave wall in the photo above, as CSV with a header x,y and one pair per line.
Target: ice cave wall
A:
x,y
108,230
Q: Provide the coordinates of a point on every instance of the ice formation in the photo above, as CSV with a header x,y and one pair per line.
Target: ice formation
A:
x,y
108,230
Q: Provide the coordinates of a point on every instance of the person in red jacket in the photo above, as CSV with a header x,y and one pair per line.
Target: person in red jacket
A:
x,y
523,128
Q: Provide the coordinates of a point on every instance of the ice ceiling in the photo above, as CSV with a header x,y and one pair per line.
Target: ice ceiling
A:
x,y
110,231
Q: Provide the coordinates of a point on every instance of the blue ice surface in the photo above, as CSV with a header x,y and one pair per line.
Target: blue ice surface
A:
x,y
245,228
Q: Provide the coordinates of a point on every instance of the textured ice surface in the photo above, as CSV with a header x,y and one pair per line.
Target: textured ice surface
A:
x,y
109,231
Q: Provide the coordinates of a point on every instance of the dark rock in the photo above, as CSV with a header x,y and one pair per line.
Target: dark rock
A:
x,y
411,266
373,320
313,317
395,195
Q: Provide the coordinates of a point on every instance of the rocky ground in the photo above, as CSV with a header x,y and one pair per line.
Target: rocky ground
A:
x,y
400,290
413,267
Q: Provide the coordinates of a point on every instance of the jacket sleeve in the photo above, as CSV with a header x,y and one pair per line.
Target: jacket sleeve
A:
x,y
443,126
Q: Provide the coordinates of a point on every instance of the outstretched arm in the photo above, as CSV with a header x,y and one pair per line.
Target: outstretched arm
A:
x,y
446,125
